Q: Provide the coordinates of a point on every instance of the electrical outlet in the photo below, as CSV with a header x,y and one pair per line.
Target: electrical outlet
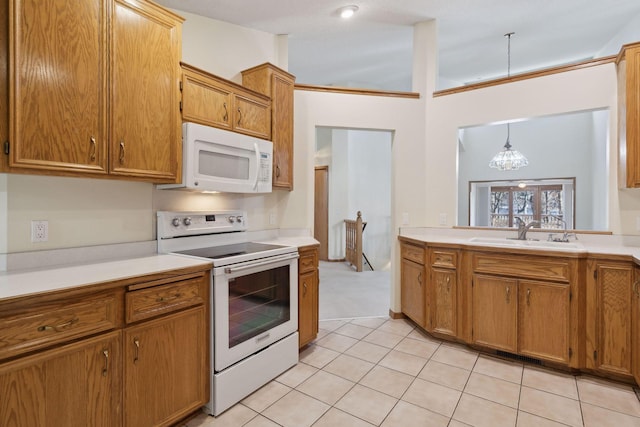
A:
x,y
443,219
39,231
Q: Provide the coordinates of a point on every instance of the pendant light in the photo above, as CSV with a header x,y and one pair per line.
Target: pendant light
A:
x,y
508,159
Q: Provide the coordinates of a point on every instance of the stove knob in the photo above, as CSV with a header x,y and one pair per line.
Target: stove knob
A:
x,y
231,219
175,222
239,219
187,221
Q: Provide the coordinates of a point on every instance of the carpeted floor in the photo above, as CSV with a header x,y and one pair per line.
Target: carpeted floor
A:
x,y
347,294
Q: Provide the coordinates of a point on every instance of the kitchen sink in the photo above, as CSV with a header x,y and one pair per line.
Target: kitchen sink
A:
x,y
514,243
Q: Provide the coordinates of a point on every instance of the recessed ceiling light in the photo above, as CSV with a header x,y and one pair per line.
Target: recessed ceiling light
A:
x,y
347,12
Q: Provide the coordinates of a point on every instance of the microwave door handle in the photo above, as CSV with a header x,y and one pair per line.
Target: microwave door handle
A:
x,y
255,184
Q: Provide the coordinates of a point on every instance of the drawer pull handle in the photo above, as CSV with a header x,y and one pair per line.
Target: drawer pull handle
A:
x,y
226,112
528,296
57,328
165,299
105,370
136,341
93,148
508,294
121,158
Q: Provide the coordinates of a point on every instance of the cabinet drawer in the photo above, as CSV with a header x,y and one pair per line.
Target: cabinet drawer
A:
x,y
556,269
413,253
159,300
444,258
57,322
307,262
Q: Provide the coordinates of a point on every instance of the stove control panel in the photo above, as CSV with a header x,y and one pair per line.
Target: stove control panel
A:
x,y
179,224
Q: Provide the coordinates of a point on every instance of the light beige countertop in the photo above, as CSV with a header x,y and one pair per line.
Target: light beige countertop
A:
x,y
588,244
29,282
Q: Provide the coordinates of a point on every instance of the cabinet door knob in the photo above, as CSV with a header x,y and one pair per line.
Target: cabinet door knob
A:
x,y
528,296
508,291
420,278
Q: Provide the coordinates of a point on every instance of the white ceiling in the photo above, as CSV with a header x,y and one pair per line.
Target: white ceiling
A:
x,y
374,48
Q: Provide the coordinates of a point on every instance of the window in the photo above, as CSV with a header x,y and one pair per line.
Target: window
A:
x,y
542,203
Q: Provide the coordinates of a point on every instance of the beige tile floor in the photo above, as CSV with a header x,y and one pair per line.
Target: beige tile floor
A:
x,y
381,372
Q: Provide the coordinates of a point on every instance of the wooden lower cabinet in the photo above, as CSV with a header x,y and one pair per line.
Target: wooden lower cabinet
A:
x,y
544,320
164,368
443,302
413,299
308,295
610,288
71,359
74,385
495,310
635,325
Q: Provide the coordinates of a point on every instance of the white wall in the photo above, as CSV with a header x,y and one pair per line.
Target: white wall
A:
x,y
556,147
370,192
359,165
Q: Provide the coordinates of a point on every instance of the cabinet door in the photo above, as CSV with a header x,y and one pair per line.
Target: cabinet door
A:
x,y
145,109
494,323
251,117
282,132
413,295
205,102
57,90
543,320
77,385
635,326
443,301
165,368
613,337
308,307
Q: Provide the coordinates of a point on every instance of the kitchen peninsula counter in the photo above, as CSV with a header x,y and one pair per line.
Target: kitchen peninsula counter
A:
x,y
600,245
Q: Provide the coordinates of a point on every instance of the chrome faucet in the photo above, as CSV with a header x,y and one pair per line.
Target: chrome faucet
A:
x,y
565,233
524,227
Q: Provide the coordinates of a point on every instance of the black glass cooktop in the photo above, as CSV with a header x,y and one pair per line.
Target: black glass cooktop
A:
x,y
225,251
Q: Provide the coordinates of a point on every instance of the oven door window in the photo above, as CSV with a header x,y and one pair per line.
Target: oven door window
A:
x,y
257,303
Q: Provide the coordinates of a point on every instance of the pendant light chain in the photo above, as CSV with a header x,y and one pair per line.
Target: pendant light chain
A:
x,y
508,159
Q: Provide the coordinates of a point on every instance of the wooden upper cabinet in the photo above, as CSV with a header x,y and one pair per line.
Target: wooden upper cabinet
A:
x,y
58,85
279,86
145,91
203,101
213,101
629,113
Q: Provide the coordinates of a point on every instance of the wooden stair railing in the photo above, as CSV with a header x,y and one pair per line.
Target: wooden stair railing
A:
x,y
353,247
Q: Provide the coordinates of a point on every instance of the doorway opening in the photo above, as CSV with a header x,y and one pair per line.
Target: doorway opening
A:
x,y
353,173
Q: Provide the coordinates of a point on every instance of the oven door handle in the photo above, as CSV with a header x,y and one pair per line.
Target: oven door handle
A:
x,y
267,261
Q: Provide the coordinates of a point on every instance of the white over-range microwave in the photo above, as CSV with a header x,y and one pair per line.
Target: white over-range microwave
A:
x,y
219,160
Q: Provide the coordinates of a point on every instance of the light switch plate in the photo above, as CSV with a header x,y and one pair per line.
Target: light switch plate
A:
x,y
443,219
405,218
